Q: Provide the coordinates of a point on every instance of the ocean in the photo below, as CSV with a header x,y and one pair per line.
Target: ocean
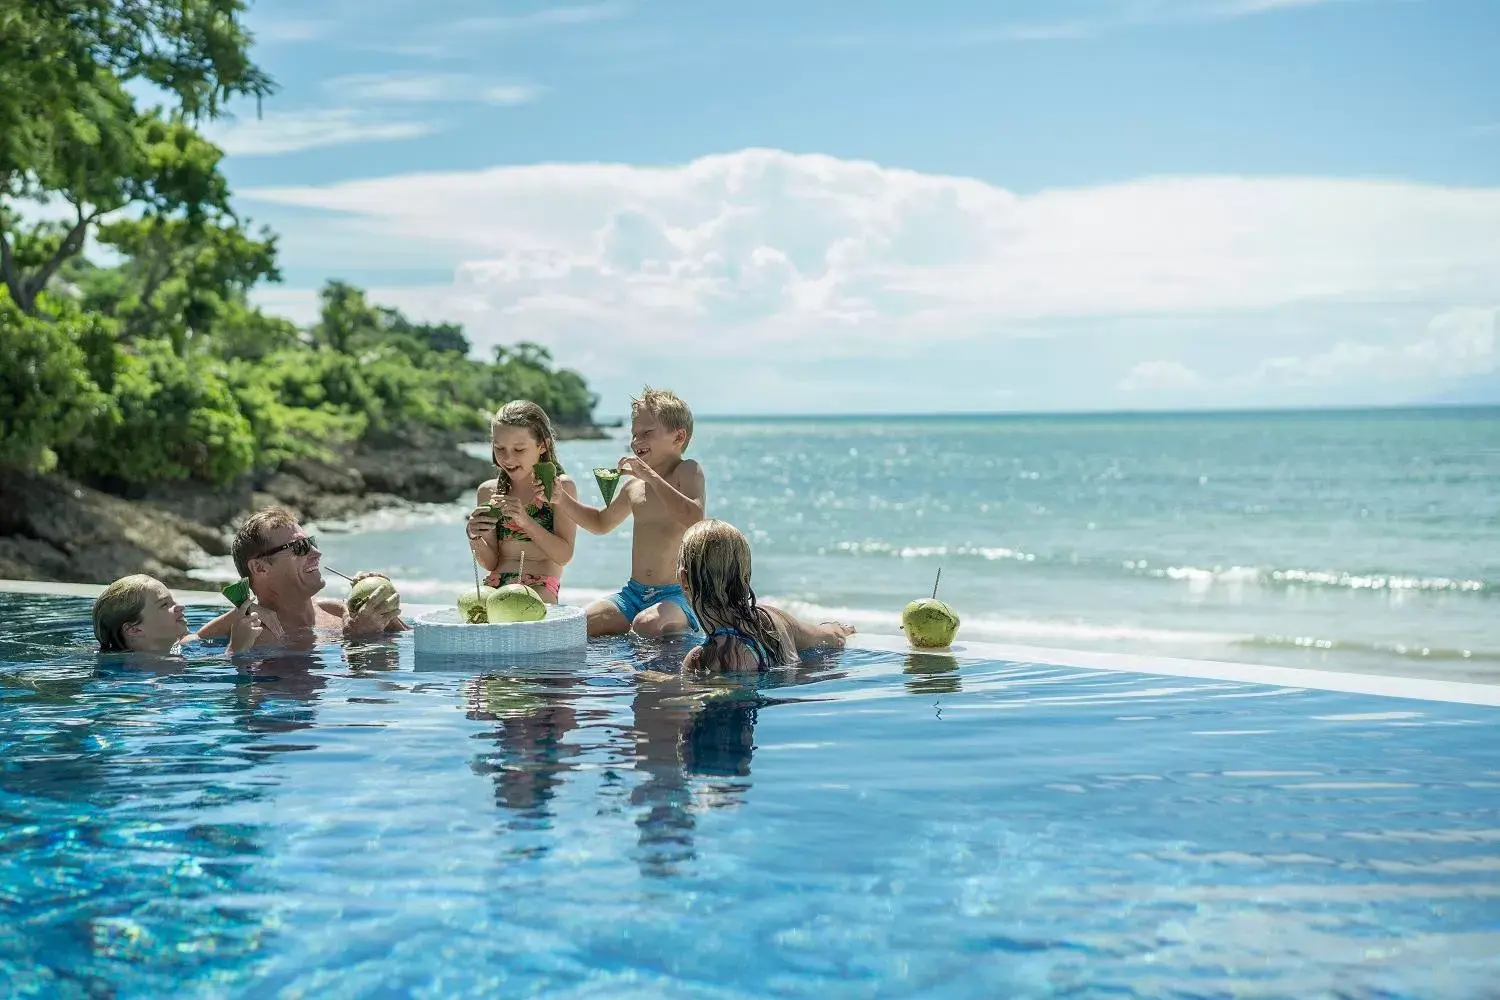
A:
x,y
1365,541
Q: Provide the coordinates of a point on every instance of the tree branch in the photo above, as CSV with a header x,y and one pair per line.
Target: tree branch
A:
x,y
12,277
70,245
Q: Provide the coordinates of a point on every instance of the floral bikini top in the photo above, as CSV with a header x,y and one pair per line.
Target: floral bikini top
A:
x,y
542,515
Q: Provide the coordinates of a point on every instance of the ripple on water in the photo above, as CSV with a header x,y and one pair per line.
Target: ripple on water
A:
x,y
353,823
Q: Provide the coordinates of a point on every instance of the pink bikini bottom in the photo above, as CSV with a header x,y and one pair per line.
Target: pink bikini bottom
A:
x,y
549,584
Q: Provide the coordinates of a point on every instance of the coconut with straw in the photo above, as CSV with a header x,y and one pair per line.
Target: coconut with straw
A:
x,y
930,623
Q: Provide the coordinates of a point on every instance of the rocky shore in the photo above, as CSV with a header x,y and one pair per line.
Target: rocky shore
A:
x,y
57,530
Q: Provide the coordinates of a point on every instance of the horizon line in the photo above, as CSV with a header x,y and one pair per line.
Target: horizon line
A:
x,y
1207,411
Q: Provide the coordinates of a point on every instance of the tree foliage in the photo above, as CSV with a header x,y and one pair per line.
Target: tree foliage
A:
x,y
47,394
159,366
72,136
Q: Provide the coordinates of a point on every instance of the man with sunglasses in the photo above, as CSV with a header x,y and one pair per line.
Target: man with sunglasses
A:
x,y
283,565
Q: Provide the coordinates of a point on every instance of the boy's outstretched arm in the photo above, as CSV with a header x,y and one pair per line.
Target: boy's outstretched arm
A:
x,y
594,520
685,502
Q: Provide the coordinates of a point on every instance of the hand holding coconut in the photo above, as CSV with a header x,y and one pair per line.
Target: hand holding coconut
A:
x,y
373,606
482,521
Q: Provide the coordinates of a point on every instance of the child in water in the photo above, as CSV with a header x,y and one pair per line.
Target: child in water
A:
x,y
526,522
714,571
138,614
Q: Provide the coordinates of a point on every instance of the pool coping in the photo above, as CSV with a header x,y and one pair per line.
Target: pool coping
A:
x,y
1306,678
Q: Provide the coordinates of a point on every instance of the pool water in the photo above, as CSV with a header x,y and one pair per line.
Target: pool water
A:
x,y
355,824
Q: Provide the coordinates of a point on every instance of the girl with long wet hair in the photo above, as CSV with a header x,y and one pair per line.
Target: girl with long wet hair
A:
x,y
713,567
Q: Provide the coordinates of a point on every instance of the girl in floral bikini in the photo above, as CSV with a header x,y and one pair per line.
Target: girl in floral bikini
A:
x,y
513,516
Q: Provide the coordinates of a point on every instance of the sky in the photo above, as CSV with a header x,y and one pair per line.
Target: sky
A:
x,y
919,206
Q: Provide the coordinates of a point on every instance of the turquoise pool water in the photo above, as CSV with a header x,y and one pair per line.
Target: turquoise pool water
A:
x,y
874,825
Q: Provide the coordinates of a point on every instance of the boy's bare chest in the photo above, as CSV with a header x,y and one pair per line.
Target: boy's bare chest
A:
x,y
646,506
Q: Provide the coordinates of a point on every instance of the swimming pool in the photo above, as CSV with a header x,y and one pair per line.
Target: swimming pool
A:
x,y
878,825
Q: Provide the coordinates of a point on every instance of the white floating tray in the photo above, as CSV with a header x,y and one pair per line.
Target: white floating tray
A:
x,y
445,633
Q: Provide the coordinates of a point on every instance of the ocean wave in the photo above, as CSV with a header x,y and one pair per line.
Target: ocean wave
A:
x,y
1333,579
875,548
1400,650
1248,576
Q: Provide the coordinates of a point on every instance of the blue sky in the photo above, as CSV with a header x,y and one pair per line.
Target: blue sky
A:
x,y
877,206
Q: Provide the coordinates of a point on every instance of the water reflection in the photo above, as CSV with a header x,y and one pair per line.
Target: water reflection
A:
x,y
279,693
533,703
932,674
374,656
688,741
694,739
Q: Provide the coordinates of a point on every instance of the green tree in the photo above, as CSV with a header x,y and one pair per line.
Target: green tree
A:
x,y
168,418
161,167
181,277
345,320
242,332
47,396
438,338
70,132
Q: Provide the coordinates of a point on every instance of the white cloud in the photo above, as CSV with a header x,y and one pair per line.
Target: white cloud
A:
x,y
511,94
839,262
1457,343
546,17
1154,376
1174,9
964,38
292,31
293,131
1241,8
426,88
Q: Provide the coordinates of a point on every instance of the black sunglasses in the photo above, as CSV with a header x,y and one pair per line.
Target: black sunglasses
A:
x,y
299,546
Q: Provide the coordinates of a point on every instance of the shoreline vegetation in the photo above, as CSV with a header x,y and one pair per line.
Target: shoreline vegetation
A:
x,y
146,405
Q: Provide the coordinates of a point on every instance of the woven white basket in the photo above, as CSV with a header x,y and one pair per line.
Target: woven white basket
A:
x,y
445,633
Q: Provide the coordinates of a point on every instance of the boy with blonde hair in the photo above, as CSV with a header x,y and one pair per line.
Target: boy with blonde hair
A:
x,y
666,495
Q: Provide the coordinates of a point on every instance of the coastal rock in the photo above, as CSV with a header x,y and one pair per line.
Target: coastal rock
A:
x,y
421,476
52,528
324,477
214,507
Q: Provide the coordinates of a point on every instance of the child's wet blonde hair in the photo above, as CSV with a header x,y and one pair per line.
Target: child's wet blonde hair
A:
x,y
525,414
715,558
668,407
121,604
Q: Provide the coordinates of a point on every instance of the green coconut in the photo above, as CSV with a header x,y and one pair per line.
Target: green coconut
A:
x,y
371,588
546,474
929,623
237,593
609,481
515,602
472,605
